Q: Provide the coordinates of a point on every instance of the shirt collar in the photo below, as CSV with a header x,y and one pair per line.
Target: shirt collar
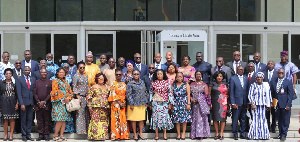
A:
x,y
26,76
240,76
234,62
271,70
28,62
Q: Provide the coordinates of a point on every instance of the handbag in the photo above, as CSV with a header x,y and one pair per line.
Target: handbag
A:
x,y
73,105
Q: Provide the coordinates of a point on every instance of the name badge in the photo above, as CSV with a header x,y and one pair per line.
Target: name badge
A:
x,y
282,91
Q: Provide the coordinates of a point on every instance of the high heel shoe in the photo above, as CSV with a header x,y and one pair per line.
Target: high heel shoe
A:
x,y
139,137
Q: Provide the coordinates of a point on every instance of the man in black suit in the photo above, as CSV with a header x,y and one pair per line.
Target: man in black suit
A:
x,y
34,65
282,88
24,87
237,62
43,65
251,73
139,66
259,66
271,76
17,72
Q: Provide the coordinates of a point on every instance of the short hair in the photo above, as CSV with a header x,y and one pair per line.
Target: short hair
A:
x,y
176,68
5,52
200,72
199,52
9,69
43,60
216,74
155,75
60,68
27,51
118,69
98,75
103,54
81,62
175,81
187,56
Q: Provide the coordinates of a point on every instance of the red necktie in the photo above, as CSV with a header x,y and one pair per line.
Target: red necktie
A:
x,y
249,77
28,84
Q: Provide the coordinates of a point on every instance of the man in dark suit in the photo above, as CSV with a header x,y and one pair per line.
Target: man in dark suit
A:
x,y
251,73
24,87
34,65
139,66
237,62
220,66
157,63
203,66
259,66
271,76
17,72
43,65
282,88
239,86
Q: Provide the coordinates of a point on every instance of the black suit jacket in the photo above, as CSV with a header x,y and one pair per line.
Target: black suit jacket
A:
x,y
25,95
147,81
244,64
273,78
34,66
37,75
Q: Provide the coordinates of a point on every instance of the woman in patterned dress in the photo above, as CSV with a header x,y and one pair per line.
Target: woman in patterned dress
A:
x,y
172,69
260,98
218,92
117,97
60,95
127,76
98,107
9,103
80,90
137,100
161,98
182,107
200,108
187,70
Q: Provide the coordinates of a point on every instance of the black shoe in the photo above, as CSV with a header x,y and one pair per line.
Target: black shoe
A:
x,y
156,139
29,138
10,139
242,137
39,139
282,139
24,139
139,137
236,138
5,139
273,131
278,137
47,138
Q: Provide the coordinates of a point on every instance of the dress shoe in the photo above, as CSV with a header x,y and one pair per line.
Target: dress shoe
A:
x,y
39,139
47,138
29,138
282,139
278,137
242,137
24,139
236,138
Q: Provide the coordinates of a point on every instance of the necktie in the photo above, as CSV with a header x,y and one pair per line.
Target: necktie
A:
x,y
249,77
256,67
28,84
278,85
269,77
157,66
236,66
138,67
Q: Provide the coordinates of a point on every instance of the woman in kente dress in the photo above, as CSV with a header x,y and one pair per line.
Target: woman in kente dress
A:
x,y
187,70
80,90
200,108
182,106
260,98
60,95
117,97
99,109
161,97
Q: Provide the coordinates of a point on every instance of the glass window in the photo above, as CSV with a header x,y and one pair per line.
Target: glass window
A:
x,y
68,10
128,40
251,44
64,45
295,52
163,10
40,46
104,41
252,10
14,44
297,10
279,10
226,45
276,43
98,10
224,10
131,10
41,10
194,10
13,10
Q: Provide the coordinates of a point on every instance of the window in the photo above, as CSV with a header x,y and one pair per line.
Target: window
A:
x,y
13,10
251,44
163,10
226,45
40,46
279,10
252,10
98,10
224,10
41,10
64,45
131,10
68,10
14,44
194,10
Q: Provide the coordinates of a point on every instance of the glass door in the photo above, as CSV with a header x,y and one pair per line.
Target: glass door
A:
x,y
101,42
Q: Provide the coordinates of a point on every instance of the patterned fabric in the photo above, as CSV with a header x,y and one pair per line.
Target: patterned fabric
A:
x,y
259,127
119,126
136,93
3,67
68,78
60,90
223,100
180,113
188,74
126,78
279,83
289,68
9,101
260,94
160,117
52,68
98,127
91,71
80,84
200,126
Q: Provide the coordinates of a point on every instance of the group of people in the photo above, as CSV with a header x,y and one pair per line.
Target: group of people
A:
x,y
114,99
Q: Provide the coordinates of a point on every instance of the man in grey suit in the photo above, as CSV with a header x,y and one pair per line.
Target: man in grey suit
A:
x,y
220,66
237,62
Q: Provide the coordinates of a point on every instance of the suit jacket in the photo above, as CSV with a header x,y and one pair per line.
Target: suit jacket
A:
x,y
163,66
204,67
144,70
25,95
227,71
285,98
15,74
147,81
244,64
273,78
262,67
34,66
253,79
239,94
37,75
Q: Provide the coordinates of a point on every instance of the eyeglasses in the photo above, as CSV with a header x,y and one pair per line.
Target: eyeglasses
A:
x,y
82,68
136,74
118,74
251,66
18,63
137,57
218,61
236,55
151,67
280,73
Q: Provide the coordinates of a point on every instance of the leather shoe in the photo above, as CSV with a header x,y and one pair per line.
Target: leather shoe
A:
x,y
29,138
24,139
282,139
47,138
242,137
39,139
236,138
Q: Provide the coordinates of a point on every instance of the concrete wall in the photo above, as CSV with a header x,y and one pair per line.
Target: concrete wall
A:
x,y
13,10
15,45
279,10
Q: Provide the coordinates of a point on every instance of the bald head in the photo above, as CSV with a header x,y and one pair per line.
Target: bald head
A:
x,y
169,57
236,56
137,58
157,58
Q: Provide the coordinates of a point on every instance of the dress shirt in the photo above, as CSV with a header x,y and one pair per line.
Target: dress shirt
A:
x,y
28,64
234,66
256,66
241,77
270,74
157,66
28,79
138,66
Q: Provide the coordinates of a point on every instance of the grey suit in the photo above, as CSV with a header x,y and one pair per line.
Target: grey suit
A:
x,y
241,63
227,70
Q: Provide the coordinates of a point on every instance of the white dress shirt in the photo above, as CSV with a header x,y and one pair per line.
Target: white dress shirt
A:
x,y
157,66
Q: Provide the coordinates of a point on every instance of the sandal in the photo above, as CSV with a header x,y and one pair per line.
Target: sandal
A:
x,y
221,137
56,138
63,138
216,137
